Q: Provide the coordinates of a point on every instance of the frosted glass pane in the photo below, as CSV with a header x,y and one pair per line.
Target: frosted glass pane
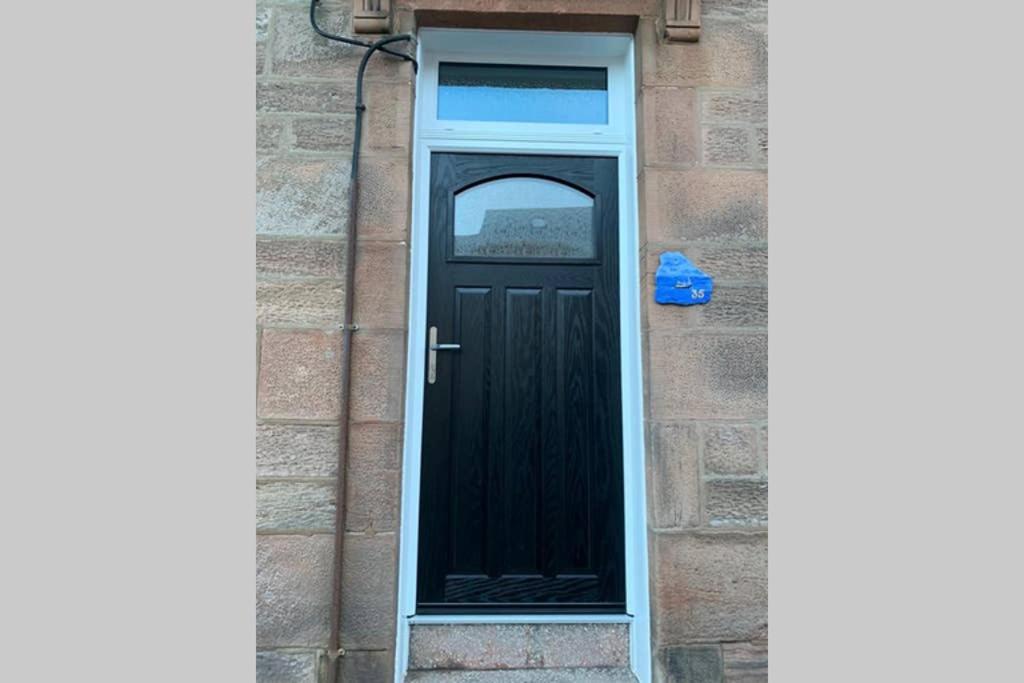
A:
x,y
524,217
528,94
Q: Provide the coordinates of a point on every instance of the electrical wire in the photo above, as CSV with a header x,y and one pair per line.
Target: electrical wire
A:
x,y
352,41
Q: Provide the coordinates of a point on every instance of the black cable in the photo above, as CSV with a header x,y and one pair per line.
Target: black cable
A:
x,y
352,41
360,105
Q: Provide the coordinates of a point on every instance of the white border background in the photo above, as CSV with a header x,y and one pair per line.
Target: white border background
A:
x,y
895,341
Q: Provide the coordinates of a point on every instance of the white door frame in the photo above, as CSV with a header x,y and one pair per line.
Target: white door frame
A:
x,y
615,139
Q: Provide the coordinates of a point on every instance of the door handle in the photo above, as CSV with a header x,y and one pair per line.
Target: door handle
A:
x,y
432,348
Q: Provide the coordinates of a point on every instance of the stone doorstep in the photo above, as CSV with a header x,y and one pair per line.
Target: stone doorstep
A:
x,y
519,647
584,675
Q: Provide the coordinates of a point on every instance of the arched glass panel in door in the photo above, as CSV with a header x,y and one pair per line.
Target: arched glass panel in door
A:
x,y
524,217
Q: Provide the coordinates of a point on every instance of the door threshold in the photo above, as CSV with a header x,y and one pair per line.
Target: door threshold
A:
x,y
520,618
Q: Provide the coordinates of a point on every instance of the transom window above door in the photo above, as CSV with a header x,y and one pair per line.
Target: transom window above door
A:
x,y
503,87
526,93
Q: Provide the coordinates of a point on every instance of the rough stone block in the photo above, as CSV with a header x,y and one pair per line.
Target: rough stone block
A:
x,y
262,23
737,307
689,664
580,645
729,307
368,592
373,485
301,196
729,54
708,376
670,127
307,98
674,476
730,449
299,51
470,646
382,285
710,586
324,134
296,451
301,302
764,447
642,215
761,145
706,204
372,666
384,198
519,646
378,375
299,374
387,122
745,662
734,106
268,135
749,10
293,590
748,264
293,257
274,666
737,502
647,44
295,506
724,145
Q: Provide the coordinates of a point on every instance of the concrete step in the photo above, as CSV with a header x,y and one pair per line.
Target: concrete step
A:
x,y
573,675
458,647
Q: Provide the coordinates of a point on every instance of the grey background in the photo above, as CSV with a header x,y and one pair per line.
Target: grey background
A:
x,y
127,274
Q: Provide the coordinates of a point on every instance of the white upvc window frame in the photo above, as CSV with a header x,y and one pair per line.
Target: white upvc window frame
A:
x,y
616,139
569,53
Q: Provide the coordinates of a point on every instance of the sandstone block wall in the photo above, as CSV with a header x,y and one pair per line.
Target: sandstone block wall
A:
x,y
305,97
703,190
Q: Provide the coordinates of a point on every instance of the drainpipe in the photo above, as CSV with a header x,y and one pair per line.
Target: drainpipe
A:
x,y
334,649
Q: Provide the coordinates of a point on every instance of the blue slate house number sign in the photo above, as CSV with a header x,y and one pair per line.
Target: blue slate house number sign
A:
x,y
678,281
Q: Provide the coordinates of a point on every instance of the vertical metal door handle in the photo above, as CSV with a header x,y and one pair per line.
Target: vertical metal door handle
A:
x,y
432,348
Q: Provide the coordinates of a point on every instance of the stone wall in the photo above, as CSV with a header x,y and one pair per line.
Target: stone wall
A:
x,y
703,191
305,89
702,184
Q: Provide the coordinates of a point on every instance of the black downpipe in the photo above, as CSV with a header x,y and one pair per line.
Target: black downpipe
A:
x,y
334,650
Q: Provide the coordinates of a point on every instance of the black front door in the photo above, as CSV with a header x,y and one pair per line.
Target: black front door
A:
x,y
521,490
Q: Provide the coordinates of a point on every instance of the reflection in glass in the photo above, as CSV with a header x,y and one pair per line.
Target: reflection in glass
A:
x,y
524,217
528,94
